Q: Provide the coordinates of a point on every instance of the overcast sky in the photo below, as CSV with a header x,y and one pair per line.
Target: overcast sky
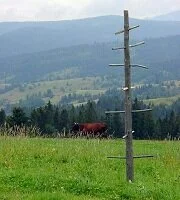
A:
x,y
38,10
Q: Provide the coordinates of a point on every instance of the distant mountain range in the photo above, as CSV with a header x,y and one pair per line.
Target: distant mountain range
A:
x,y
18,38
172,16
162,55
37,51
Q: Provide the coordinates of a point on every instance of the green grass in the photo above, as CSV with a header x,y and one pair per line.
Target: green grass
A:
x,y
58,87
80,86
79,170
165,101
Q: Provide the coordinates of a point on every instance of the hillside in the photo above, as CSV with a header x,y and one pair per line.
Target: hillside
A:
x,y
161,55
36,93
172,16
77,70
27,37
79,90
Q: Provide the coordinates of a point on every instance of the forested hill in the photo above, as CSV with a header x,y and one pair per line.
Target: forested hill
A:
x,y
162,55
27,37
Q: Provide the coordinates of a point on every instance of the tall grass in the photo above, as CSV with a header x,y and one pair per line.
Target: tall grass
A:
x,y
22,131
35,168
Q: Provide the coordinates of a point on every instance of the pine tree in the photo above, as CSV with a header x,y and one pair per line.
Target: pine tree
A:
x,y
137,120
90,112
72,115
64,119
148,126
18,117
81,114
49,112
172,124
56,119
2,117
177,126
117,125
41,118
157,129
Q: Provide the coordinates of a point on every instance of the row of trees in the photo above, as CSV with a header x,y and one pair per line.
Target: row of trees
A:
x,y
163,122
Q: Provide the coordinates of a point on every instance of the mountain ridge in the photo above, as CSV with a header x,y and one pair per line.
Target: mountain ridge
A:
x,y
40,36
171,16
160,54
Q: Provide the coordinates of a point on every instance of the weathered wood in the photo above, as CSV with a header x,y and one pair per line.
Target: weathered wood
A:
x,y
141,66
137,44
133,45
116,65
125,88
138,111
128,102
123,157
117,48
119,32
133,27
114,112
133,111
132,65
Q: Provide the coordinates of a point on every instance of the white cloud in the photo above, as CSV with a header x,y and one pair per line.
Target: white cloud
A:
x,y
22,10
148,8
137,8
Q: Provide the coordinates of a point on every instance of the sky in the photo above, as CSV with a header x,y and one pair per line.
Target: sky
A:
x,y
50,10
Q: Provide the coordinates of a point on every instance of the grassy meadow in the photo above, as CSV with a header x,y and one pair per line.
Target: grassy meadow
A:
x,y
59,88
78,169
164,101
80,86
